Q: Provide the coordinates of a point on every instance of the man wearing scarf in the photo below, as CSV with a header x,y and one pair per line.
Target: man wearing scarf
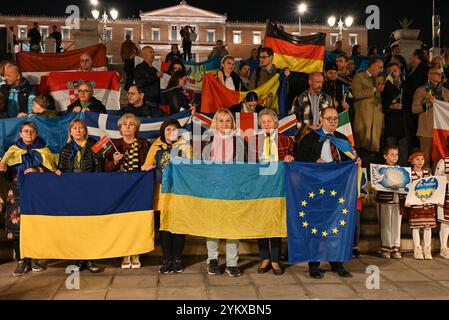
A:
x,y
28,155
325,145
423,105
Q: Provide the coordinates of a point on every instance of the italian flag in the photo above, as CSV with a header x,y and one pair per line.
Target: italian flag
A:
x,y
440,130
344,126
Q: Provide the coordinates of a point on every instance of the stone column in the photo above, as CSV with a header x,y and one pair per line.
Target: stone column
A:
x,y
87,35
407,40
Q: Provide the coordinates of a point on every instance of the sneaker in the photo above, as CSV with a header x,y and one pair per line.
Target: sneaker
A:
x,y
92,267
396,255
166,267
418,253
356,252
213,268
135,262
35,266
233,271
428,253
126,263
177,266
386,254
444,253
21,269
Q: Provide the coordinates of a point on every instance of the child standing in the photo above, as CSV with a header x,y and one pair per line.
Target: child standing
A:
x,y
389,212
421,216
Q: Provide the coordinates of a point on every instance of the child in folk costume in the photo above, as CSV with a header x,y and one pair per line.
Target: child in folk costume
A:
x,y
443,211
421,216
390,217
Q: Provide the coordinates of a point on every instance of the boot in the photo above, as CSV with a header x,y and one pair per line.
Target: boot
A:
x,y
418,253
427,253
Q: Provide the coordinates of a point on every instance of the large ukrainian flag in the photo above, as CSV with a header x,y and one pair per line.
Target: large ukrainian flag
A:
x,y
86,215
226,201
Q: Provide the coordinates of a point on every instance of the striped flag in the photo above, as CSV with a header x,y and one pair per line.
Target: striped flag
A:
x,y
344,126
99,124
35,65
62,86
299,53
440,130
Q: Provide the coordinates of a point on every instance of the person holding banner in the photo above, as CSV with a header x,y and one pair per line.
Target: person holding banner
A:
x,y
28,155
86,101
128,155
423,101
225,146
250,104
323,146
275,147
77,156
421,217
86,62
167,145
43,106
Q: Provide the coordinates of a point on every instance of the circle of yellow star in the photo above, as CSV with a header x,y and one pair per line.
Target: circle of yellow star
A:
x,y
333,193
322,191
324,233
305,224
334,230
302,214
344,211
341,200
314,230
311,195
342,223
304,203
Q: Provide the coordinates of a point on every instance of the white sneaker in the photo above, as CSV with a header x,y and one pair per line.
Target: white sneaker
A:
x,y
396,255
418,253
386,254
427,253
135,262
444,252
126,263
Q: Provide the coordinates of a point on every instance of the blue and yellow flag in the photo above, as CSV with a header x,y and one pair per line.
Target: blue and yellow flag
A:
x,y
80,216
225,201
321,211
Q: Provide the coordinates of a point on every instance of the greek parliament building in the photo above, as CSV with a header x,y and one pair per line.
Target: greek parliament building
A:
x,y
160,28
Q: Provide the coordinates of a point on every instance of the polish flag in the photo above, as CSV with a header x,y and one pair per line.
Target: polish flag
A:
x,y
440,130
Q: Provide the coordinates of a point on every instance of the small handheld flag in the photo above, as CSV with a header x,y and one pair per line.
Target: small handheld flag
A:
x,y
103,145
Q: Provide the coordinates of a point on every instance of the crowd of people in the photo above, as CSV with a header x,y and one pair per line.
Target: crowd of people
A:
x,y
391,111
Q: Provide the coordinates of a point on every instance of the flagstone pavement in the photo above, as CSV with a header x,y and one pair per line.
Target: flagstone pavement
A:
x,y
399,279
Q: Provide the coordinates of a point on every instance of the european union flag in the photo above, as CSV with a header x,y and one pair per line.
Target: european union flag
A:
x,y
321,211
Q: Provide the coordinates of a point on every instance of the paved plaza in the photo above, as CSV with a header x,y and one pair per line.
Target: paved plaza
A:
x,y
399,279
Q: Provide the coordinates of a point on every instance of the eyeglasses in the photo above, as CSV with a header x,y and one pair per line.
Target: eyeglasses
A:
x,y
28,131
331,119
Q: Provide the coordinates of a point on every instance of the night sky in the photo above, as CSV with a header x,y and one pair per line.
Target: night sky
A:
x,y
283,10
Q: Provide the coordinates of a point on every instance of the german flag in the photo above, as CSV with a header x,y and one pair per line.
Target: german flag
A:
x,y
299,53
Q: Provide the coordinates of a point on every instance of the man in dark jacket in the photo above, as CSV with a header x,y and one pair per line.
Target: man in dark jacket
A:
x,y
148,77
416,77
35,38
138,106
397,121
86,101
334,88
310,149
58,38
18,92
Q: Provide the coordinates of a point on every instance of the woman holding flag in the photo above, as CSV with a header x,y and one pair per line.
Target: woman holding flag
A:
x,y
77,156
225,146
167,145
29,155
128,155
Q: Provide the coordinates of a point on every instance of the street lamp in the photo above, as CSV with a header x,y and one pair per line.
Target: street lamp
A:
x,y
104,19
340,24
302,8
